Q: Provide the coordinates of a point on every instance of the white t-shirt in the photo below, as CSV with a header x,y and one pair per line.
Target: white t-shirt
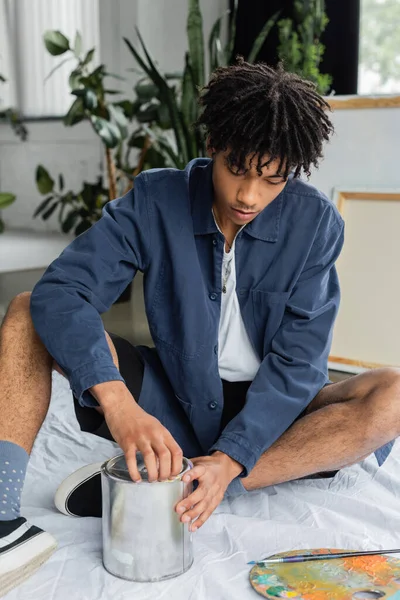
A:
x,y
237,360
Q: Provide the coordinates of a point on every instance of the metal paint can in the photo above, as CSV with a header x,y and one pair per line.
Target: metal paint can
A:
x,y
143,538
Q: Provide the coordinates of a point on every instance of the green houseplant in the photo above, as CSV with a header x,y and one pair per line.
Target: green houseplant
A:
x,y
163,109
77,211
300,48
181,107
10,116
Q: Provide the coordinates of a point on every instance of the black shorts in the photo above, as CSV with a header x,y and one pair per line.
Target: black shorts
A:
x,y
131,367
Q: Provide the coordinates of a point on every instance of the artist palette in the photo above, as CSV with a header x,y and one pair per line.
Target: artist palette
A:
x,y
353,578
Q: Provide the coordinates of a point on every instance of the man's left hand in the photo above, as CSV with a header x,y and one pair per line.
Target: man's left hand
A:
x,y
214,473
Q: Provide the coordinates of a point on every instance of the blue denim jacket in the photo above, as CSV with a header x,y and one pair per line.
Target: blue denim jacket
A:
x,y
287,288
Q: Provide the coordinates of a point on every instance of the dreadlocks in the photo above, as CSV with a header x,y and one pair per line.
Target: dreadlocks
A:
x,y
255,110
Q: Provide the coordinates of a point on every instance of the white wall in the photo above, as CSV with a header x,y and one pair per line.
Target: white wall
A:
x,y
73,151
364,151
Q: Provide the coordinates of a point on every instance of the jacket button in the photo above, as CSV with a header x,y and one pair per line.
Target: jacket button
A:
x,y
214,242
212,405
213,296
215,349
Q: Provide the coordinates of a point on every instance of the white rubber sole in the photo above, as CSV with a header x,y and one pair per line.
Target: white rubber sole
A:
x,y
20,562
69,484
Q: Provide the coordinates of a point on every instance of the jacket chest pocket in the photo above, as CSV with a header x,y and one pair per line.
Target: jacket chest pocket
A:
x,y
178,315
268,313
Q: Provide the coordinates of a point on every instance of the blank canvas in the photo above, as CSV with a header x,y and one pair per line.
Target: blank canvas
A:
x,y
367,330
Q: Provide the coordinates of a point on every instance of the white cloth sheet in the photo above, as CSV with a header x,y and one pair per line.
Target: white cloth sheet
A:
x,y
358,509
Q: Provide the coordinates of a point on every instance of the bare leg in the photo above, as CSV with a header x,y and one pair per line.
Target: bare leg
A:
x,y
344,424
25,375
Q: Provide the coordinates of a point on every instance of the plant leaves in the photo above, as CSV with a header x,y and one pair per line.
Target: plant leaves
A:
x,y
163,145
57,67
90,99
262,36
70,220
46,215
154,159
80,92
83,226
136,141
88,195
121,121
108,132
78,45
139,59
128,107
146,91
100,70
88,57
61,213
232,33
163,117
178,75
6,199
1,225
214,46
194,28
167,95
148,113
61,182
75,114
189,95
115,76
55,42
44,182
42,206
75,78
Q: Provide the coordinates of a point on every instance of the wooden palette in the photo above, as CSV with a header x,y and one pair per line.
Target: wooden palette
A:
x,y
354,578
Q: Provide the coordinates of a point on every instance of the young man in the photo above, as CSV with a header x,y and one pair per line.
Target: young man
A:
x,y
241,295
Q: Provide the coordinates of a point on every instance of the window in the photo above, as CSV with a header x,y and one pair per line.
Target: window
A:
x,y
24,60
379,64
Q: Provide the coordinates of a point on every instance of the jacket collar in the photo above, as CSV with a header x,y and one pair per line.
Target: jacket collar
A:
x,y
264,227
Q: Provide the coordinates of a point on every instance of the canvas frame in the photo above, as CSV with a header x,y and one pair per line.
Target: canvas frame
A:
x,y
342,197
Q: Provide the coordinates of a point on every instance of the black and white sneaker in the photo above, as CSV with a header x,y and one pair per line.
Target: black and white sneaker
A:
x,y
23,549
79,495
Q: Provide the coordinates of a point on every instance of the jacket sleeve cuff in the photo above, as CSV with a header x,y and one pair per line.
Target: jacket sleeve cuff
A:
x,y
238,449
88,375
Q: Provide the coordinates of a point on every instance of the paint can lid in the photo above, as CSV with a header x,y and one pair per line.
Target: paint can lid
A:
x,y
116,468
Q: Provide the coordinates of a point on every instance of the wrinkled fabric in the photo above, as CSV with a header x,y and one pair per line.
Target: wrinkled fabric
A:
x,y
356,510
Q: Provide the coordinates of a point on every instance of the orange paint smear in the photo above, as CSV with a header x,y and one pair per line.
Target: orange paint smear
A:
x,y
376,567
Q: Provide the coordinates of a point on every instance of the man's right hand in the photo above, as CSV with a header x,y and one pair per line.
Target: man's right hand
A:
x,y
135,430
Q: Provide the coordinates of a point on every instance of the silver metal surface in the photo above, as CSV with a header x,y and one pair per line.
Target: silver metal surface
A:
x,y
143,538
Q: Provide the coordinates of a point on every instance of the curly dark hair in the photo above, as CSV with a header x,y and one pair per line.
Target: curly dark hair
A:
x,y
255,110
